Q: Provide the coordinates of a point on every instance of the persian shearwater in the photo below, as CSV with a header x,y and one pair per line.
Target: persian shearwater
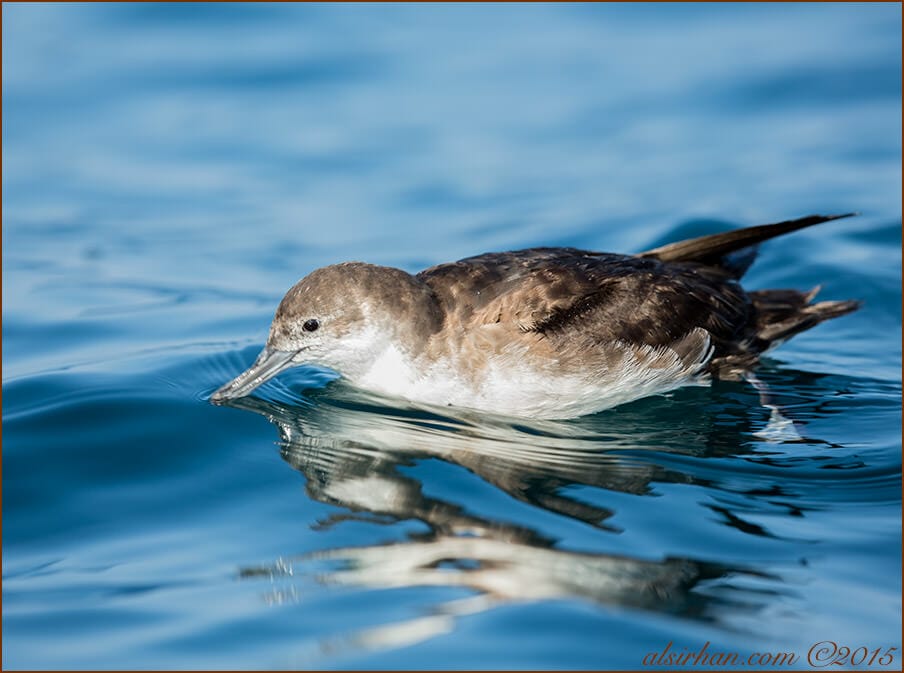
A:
x,y
548,333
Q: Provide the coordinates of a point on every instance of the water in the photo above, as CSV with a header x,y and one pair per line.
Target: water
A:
x,y
170,170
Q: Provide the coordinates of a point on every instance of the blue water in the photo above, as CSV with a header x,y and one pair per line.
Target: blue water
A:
x,y
169,171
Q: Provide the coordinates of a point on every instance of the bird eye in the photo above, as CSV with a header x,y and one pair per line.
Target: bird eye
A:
x,y
311,325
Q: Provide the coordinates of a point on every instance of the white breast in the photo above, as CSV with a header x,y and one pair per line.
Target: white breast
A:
x,y
391,373
511,384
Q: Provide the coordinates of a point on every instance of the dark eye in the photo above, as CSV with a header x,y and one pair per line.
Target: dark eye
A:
x,y
311,325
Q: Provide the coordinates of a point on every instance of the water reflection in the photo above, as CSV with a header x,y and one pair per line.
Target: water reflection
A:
x,y
351,450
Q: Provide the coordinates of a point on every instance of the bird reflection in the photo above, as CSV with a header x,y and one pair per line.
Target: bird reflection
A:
x,y
350,447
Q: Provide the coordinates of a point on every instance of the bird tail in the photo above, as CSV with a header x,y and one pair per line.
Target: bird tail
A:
x,y
776,317
780,314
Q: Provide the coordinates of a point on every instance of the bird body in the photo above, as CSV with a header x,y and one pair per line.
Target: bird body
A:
x,y
543,332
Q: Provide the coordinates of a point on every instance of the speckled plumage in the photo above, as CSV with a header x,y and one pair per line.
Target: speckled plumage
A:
x,y
546,332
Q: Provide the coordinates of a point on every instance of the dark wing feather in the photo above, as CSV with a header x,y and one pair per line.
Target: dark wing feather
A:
x,y
564,291
733,251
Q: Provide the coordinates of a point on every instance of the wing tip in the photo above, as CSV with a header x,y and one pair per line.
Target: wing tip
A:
x,y
714,248
840,216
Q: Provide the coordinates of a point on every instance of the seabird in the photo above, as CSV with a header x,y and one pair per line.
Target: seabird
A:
x,y
547,333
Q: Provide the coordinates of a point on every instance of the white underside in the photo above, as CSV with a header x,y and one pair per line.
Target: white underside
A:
x,y
510,385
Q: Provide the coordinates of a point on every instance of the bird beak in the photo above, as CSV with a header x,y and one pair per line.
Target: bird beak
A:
x,y
268,364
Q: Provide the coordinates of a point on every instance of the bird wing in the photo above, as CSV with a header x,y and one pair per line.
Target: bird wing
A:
x,y
564,291
733,251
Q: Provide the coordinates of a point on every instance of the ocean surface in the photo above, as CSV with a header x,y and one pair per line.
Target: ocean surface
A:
x,y
169,171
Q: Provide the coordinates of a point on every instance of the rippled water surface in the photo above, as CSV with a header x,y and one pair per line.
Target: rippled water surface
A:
x,y
169,171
